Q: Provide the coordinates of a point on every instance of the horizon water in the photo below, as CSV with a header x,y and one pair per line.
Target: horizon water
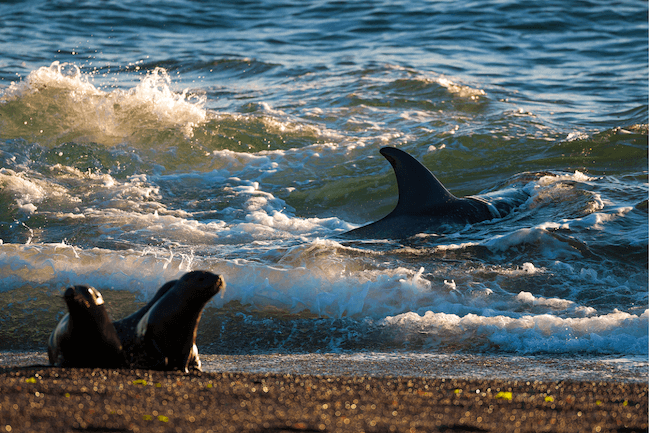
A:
x,y
140,141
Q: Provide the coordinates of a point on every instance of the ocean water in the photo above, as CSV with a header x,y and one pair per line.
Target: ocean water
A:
x,y
142,140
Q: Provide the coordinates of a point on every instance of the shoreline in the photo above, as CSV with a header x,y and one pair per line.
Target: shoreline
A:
x,y
631,368
57,399
434,366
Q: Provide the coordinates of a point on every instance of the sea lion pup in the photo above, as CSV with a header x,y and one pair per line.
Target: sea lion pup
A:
x,y
166,334
85,336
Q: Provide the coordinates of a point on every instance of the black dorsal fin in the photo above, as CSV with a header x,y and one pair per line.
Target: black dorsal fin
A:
x,y
419,190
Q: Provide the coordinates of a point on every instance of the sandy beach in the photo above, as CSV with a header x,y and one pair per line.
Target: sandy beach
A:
x,y
35,399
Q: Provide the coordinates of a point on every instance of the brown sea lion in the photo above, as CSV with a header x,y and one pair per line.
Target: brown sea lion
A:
x,y
126,328
165,336
85,336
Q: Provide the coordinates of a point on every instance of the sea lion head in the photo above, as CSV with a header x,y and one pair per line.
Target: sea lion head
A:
x,y
80,297
204,284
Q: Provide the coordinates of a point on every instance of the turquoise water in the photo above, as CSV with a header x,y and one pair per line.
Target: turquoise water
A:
x,y
139,141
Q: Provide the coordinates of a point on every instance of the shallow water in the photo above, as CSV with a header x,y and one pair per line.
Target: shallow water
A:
x,y
142,141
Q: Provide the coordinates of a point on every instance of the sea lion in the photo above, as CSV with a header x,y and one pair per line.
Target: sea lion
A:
x,y
165,336
126,328
85,336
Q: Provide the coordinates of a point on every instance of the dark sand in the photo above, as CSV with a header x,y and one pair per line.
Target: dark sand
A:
x,y
55,399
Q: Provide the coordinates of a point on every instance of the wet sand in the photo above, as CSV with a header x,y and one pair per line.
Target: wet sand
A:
x,y
49,399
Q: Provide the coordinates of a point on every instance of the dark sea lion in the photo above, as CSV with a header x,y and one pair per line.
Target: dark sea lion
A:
x,y
126,327
85,336
165,336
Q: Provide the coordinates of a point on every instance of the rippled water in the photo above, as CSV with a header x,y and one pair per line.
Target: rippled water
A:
x,y
142,140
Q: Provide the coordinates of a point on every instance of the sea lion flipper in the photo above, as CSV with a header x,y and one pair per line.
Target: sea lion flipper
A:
x,y
194,362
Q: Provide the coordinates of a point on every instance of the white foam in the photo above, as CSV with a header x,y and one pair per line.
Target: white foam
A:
x,y
573,136
596,220
61,265
26,193
616,332
103,117
59,76
555,304
460,90
552,248
576,176
154,92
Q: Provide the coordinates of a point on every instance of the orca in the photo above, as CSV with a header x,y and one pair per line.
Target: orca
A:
x,y
425,205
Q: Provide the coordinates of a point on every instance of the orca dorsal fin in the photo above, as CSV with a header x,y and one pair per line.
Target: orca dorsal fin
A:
x,y
419,190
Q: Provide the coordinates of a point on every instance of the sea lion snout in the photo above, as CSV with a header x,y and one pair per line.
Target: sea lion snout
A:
x,y
219,284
